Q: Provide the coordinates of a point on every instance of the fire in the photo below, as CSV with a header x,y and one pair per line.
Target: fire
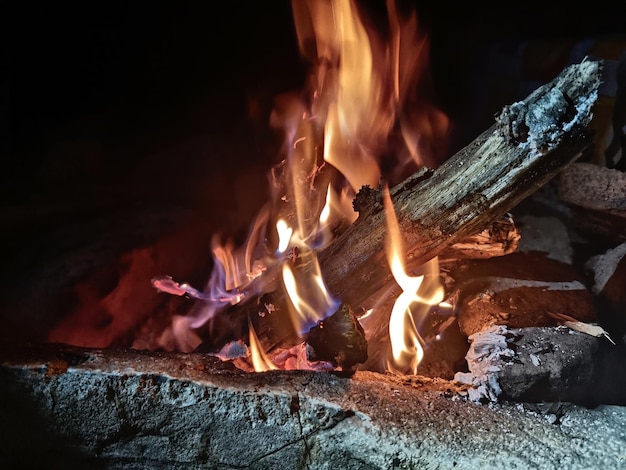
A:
x,y
309,296
260,361
362,108
419,292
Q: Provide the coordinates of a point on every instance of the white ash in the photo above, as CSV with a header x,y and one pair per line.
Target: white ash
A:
x,y
555,109
534,359
484,356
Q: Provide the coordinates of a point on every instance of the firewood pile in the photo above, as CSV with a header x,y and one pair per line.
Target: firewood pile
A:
x,y
516,285
527,235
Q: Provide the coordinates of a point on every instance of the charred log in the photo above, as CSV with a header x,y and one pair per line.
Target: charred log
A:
x,y
339,339
540,364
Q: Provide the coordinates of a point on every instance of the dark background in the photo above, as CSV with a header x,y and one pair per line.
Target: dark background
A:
x,y
132,79
93,91
137,108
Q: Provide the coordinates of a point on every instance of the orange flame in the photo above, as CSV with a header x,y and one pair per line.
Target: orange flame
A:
x,y
362,90
308,294
419,292
260,361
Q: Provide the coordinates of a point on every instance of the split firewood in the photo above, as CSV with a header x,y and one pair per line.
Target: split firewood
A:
x,y
497,293
501,238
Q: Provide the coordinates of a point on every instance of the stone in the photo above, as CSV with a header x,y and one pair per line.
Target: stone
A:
x,y
79,408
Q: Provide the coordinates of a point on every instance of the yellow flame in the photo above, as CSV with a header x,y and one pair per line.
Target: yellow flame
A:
x,y
337,212
406,343
284,235
352,97
302,308
325,214
309,296
260,361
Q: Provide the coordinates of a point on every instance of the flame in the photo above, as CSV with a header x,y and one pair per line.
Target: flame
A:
x,y
260,361
326,211
348,96
362,91
419,293
365,88
284,235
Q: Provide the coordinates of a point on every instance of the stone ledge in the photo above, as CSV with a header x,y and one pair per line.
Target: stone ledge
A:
x,y
128,409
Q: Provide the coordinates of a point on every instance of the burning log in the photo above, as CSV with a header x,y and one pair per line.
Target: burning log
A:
x,y
530,143
543,364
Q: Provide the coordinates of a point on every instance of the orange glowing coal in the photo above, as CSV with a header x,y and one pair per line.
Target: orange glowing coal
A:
x,y
362,114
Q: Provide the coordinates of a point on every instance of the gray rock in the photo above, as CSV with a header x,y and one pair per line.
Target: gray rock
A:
x,y
126,410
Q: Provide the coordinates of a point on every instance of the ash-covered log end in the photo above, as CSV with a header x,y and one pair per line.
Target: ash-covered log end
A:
x,y
554,111
339,339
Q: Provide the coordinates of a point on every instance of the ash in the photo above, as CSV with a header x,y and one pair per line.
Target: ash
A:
x,y
484,356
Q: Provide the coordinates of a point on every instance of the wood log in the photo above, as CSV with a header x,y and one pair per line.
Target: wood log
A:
x,y
268,310
501,237
530,143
